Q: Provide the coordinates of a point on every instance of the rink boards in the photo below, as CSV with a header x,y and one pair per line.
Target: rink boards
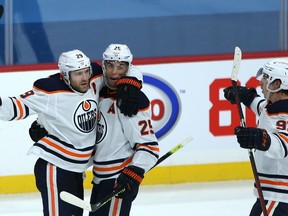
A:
x,y
186,100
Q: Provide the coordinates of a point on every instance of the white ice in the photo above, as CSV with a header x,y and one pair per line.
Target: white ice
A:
x,y
191,199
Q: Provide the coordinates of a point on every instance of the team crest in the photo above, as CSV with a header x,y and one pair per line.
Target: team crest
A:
x,y
85,116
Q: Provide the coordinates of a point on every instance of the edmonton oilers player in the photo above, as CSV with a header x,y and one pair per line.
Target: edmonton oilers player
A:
x,y
67,106
269,140
126,146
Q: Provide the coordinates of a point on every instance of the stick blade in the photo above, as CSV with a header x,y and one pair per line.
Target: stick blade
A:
x,y
187,140
76,201
236,64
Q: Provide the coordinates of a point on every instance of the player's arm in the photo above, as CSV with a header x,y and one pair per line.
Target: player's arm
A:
x,y
13,108
141,135
28,103
142,139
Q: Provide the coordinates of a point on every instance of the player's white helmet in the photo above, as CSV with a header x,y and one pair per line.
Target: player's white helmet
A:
x,y
275,69
71,61
117,52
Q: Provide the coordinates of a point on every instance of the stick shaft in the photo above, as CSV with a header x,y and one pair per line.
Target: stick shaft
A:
x,y
234,78
173,150
98,205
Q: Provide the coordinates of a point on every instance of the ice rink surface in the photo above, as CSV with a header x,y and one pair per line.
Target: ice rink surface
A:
x,y
193,199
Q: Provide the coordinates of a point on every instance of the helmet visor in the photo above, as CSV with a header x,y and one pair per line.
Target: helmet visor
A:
x,y
261,75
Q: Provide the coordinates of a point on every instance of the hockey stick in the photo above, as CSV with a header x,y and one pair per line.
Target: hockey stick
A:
x,y
1,10
70,198
234,78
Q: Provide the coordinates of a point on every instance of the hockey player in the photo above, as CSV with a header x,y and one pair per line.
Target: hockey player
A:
x,y
126,147
67,107
270,138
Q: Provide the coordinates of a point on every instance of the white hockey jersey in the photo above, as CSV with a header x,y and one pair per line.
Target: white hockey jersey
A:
x,y
69,117
272,165
122,140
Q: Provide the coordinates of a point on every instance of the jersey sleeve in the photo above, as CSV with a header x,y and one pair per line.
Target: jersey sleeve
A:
x,y
140,133
257,105
278,149
13,109
37,100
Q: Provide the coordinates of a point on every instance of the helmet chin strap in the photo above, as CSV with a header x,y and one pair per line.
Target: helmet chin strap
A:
x,y
268,95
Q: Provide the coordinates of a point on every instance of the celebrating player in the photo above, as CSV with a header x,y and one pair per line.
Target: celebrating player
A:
x,y
126,147
270,138
67,107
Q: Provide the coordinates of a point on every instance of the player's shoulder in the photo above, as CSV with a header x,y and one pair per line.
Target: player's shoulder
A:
x,y
96,69
280,106
52,83
135,72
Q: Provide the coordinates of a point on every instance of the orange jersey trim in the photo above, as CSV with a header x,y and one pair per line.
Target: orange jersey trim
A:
x,y
124,164
148,147
277,183
64,150
283,137
19,105
270,207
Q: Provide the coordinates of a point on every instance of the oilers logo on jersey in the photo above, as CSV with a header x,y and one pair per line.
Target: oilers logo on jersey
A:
x,y
85,116
101,127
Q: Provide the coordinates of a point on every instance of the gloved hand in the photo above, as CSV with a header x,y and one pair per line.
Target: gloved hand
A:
x,y
246,95
130,178
250,138
37,132
128,90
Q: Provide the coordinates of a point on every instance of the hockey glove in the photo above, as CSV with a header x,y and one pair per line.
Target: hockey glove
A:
x,y
130,178
128,90
37,132
250,138
246,95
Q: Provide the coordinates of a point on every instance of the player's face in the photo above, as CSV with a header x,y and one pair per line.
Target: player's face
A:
x,y
263,84
79,80
115,71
